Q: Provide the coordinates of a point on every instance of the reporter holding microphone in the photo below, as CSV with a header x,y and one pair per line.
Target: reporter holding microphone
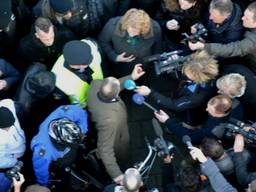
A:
x,y
194,89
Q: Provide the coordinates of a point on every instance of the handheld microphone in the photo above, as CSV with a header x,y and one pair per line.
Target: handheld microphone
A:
x,y
159,132
129,84
140,100
187,140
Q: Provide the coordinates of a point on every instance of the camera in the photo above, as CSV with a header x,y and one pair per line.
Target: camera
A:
x,y
162,149
201,33
167,62
13,172
235,126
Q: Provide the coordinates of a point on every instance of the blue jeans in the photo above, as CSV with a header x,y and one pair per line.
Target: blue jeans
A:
x,y
5,183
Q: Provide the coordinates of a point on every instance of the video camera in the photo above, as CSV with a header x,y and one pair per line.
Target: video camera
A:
x,y
13,172
164,148
235,126
167,62
199,35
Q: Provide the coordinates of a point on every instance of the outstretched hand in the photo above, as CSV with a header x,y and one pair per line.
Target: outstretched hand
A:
x,y
137,72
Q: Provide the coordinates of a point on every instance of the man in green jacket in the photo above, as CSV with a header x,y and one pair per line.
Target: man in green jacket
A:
x,y
245,47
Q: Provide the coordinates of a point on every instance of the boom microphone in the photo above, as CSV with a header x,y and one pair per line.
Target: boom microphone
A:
x,y
140,100
187,140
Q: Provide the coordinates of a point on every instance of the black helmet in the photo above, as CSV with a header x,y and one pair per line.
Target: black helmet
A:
x,y
66,132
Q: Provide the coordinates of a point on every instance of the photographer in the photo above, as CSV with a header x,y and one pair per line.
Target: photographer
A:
x,y
244,177
245,47
224,22
190,99
175,17
209,168
17,184
219,109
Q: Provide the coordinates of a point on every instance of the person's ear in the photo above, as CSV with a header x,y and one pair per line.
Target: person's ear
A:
x,y
37,36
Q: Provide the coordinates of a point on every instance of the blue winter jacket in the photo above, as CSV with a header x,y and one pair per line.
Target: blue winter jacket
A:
x,y
44,151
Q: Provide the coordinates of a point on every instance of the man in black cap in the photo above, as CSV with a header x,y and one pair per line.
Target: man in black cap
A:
x,y
12,142
79,65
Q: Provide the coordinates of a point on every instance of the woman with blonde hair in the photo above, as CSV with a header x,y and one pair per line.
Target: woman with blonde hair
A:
x,y
128,39
198,85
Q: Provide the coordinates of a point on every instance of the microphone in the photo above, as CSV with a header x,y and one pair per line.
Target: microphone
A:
x,y
187,140
140,100
159,132
129,84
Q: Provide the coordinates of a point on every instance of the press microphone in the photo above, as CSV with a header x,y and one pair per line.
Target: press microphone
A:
x,y
129,84
187,140
159,132
140,100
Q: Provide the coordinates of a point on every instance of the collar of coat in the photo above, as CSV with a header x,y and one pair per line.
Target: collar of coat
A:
x,y
121,33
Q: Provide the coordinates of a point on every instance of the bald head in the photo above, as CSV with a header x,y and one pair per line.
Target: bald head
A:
x,y
110,88
132,180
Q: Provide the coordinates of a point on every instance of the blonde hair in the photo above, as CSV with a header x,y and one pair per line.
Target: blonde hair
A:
x,y
235,82
137,19
202,66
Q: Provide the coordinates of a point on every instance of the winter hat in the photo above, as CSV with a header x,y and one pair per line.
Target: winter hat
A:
x,y
5,13
61,6
77,52
6,117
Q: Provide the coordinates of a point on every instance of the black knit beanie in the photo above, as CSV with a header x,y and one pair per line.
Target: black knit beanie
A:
x,y
5,13
6,118
61,6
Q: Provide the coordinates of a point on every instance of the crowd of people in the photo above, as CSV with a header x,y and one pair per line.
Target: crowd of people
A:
x,y
63,66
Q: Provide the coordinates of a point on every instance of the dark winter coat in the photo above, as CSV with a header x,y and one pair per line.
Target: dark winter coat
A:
x,y
8,73
245,47
185,18
230,30
246,100
242,173
88,16
189,100
31,49
114,42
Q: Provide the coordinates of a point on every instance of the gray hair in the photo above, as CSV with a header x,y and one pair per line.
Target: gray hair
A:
x,y
252,8
235,81
223,6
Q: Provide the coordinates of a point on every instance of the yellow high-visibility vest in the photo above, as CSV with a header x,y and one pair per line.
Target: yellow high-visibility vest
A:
x,y
70,83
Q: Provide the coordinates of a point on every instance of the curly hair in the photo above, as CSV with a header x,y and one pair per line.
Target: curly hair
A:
x,y
202,66
138,19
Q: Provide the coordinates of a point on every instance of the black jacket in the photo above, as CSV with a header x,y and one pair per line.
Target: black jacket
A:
x,y
31,49
242,173
185,18
190,99
230,30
